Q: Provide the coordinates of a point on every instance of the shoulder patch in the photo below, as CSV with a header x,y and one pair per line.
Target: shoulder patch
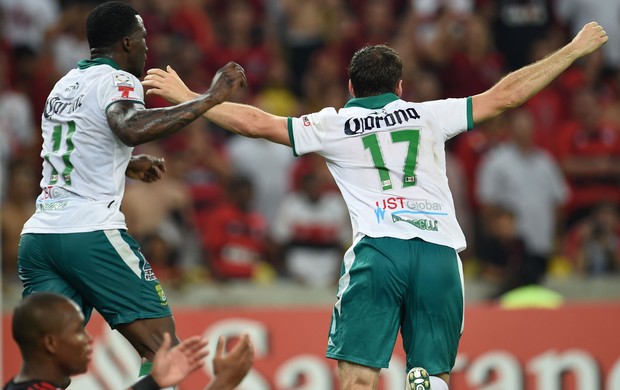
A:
x,y
121,79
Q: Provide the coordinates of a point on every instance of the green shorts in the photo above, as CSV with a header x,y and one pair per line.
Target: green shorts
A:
x,y
103,270
387,284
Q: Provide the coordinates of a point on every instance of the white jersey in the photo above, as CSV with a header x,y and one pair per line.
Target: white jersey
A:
x,y
387,156
84,162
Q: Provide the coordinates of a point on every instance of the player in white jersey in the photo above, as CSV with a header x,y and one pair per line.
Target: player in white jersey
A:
x,y
76,243
387,157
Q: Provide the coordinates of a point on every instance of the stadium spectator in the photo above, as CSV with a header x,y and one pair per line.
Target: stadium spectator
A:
x,y
25,22
525,179
313,229
517,25
16,125
589,152
235,235
21,187
67,38
593,243
364,145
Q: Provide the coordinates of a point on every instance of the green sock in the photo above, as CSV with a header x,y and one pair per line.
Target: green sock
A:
x,y
145,368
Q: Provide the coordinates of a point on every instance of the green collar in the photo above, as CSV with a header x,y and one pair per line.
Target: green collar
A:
x,y
97,61
372,102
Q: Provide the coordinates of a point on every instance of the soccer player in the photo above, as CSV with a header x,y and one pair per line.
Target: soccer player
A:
x,y
76,243
387,157
49,330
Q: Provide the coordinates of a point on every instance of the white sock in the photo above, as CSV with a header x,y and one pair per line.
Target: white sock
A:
x,y
437,383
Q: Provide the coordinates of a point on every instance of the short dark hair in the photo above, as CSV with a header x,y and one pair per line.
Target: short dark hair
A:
x,y
375,70
109,22
35,316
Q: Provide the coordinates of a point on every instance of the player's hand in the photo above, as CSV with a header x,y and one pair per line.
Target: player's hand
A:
x,y
230,77
146,168
170,366
230,370
591,37
168,85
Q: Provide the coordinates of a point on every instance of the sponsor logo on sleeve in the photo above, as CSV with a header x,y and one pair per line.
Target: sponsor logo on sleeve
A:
x,y
305,120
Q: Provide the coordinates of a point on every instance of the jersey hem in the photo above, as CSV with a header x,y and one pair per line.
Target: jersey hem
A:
x,y
458,247
72,229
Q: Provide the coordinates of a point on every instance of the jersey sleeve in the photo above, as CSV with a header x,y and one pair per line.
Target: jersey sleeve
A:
x,y
453,116
307,133
118,86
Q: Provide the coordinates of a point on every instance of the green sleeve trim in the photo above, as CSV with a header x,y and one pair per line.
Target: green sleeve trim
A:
x,y
470,114
123,100
290,135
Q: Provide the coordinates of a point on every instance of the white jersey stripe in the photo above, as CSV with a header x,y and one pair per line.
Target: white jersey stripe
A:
x,y
124,251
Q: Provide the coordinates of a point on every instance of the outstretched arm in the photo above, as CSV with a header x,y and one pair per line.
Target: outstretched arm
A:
x,y
238,118
517,87
134,125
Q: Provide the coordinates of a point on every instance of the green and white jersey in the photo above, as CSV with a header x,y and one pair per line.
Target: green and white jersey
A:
x,y
387,156
84,162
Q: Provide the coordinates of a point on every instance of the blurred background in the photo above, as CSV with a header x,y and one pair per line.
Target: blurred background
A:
x,y
241,223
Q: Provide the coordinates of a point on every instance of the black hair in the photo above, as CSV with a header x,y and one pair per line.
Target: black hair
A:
x,y
35,316
375,70
109,22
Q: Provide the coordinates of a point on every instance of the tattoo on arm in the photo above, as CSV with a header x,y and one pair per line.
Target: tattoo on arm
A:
x,y
135,126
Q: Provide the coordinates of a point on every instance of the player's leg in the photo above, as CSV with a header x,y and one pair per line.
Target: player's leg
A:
x,y
366,317
147,334
433,318
107,268
357,377
38,273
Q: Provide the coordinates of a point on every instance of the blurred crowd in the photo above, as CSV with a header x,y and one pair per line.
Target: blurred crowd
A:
x,y
537,190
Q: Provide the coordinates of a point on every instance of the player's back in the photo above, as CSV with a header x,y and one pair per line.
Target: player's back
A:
x,y
84,163
388,159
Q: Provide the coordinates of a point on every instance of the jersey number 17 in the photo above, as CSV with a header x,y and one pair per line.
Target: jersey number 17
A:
x,y
371,142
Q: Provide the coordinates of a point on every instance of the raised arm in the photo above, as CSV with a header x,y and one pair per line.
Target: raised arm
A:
x,y
517,87
238,118
134,125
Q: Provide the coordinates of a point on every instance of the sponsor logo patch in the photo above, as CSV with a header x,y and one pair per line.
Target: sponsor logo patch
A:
x,y
122,80
162,297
